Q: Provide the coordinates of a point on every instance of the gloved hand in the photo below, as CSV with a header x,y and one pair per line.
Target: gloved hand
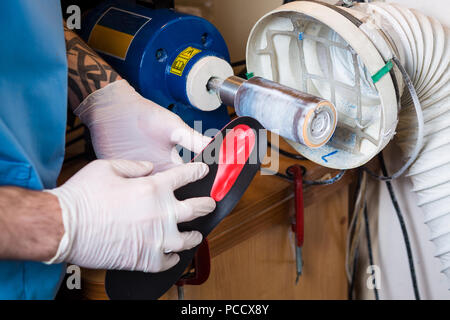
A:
x,y
124,125
118,216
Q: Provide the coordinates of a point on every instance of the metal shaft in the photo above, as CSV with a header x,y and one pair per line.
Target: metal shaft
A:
x,y
226,89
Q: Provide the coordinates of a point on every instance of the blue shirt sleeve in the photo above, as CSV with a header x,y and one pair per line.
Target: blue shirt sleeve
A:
x,y
33,111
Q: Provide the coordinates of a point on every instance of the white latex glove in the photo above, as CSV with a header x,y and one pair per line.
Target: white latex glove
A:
x,y
124,125
118,216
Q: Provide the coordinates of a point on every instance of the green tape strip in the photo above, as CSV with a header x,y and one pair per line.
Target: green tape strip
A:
x,y
249,75
380,73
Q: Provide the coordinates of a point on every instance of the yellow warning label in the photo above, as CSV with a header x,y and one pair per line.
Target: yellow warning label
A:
x,y
182,60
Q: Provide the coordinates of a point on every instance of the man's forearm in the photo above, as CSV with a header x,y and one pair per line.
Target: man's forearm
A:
x,y
87,71
31,224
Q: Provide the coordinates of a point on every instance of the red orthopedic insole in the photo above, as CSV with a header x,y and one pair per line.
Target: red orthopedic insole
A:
x,y
237,152
234,152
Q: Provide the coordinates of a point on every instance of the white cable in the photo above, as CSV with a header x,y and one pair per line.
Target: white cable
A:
x,y
351,242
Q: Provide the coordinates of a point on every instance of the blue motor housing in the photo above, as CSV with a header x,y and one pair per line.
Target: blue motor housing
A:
x,y
154,51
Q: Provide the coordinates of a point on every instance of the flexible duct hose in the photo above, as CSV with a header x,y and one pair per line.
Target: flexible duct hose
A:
x,y
424,45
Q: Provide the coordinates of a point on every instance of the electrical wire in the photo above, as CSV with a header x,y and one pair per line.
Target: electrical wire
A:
x,y
354,228
403,228
336,178
352,274
286,153
351,286
369,245
276,173
289,177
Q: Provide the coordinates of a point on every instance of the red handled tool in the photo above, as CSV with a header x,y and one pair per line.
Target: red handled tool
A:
x,y
298,227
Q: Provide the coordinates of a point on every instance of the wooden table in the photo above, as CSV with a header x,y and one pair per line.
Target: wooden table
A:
x,y
253,250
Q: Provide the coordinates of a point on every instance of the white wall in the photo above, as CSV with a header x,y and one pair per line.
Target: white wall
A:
x,y
233,18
